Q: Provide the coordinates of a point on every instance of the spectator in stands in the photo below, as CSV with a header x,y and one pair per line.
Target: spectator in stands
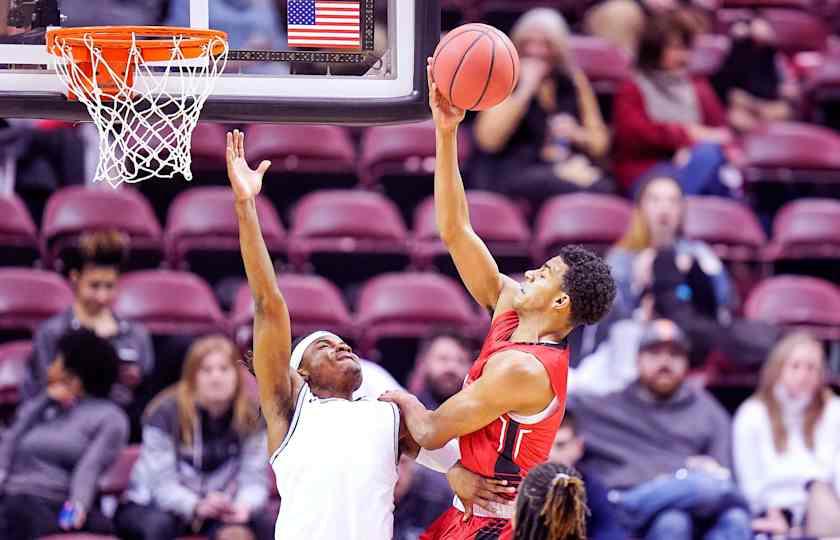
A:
x,y
567,450
787,438
656,227
663,448
93,270
549,136
751,80
442,363
202,462
250,25
62,441
619,22
663,114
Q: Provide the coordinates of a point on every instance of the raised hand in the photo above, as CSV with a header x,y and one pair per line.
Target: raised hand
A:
x,y
245,181
445,115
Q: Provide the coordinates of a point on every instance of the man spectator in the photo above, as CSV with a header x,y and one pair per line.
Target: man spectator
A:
x,y
93,270
568,448
443,360
663,448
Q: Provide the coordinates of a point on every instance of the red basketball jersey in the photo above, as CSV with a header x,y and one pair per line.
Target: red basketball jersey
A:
x,y
511,445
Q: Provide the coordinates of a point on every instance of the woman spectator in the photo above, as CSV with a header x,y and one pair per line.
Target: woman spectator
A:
x,y
202,462
656,227
751,80
663,114
62,441
93,271
787,437
548,136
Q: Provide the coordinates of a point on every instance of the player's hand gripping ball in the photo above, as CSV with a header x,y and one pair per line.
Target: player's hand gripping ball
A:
x,y
475,67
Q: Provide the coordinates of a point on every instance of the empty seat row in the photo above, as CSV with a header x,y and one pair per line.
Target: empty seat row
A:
x,y
203,220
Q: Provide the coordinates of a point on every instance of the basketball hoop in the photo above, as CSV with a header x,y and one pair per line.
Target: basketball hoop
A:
x,y
144,87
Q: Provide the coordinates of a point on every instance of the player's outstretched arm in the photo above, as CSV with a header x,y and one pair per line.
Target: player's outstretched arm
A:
x,y
475,264
511,382
272,332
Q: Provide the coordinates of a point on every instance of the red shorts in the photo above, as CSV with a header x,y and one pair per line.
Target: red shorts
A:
x,y
450,526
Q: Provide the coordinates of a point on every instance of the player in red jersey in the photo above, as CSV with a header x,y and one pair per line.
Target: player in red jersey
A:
x,y
514,397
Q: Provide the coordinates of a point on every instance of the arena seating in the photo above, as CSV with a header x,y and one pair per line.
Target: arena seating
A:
x,y
27,298
728,226
797,302
806,238
496,219
74,210
594,220
18,235
792,152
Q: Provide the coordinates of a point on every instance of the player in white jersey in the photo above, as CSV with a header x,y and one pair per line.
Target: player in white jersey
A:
x,y
335,458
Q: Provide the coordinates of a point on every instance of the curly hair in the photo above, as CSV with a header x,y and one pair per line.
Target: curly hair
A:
x,y
589,284
551,505
92,359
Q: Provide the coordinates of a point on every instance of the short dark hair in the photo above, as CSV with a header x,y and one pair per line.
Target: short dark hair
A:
x,y
569,421
589,283
658,30
90,358
98,248
444,333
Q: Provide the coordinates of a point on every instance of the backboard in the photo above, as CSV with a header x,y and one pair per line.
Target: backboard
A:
x,y
290,61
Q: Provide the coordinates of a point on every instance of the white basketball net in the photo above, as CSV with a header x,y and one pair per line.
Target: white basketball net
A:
x,y
144,128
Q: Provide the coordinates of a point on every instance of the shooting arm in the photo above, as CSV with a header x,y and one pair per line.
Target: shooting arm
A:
x,y
272,333
475,264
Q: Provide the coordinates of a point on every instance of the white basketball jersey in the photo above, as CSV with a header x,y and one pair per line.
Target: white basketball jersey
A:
x,y
336,470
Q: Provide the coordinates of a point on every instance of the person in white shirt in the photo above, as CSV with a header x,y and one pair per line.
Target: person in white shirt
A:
x,y
787,442
334,458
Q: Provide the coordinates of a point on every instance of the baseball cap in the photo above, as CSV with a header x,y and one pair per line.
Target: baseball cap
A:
x,y
664,331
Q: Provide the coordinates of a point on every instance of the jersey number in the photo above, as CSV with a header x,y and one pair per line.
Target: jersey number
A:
x,y
511,429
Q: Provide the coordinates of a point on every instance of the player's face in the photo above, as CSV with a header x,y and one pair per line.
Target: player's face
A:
x,y
95,288
446,364
567,448
802,372
662,368
331,364
216,380
661,206
542,287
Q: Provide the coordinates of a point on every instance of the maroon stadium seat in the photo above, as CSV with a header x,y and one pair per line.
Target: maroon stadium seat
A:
x,y
822,89
314,304
304,148
169,302
503,13
75,210
789,151
797,301
330,229
708,54
18,236
807,228
28,297
728,226
495,218
797,30
208,148
402,150
409,305
14,358
202,225
604,64
597,221
757,4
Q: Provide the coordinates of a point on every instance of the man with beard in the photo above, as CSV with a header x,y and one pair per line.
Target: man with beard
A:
x,y
443,360
663,448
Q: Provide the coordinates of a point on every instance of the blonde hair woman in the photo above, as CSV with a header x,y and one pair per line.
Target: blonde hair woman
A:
x,y
202,463
546,138
787,436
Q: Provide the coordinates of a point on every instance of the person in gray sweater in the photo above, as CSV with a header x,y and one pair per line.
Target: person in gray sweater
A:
x,y
62,441
663,448
202,462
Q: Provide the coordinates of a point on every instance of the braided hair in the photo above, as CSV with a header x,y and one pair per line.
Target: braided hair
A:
x,y
551,505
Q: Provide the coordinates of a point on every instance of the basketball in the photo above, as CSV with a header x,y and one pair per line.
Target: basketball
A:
x,y
475,67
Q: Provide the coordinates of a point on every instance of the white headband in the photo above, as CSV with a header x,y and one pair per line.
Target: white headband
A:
x,y
297,354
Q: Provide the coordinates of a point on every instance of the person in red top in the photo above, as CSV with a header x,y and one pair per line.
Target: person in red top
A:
x,y
663,114
514,397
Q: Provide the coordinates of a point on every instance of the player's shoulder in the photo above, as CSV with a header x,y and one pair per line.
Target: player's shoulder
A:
x,y
515,364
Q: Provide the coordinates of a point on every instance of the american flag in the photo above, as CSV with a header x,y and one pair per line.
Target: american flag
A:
x,y
331,25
